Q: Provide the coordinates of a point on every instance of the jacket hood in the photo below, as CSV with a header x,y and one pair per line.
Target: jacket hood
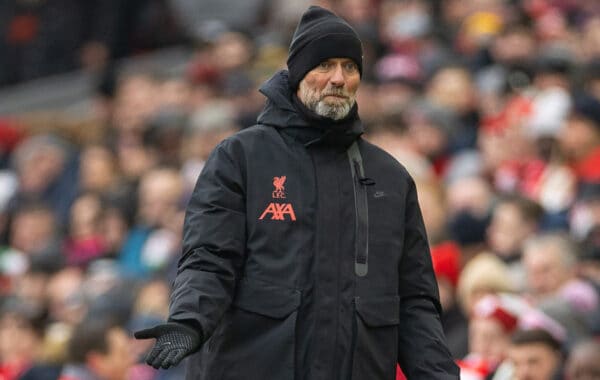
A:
x,y
279,110
282,111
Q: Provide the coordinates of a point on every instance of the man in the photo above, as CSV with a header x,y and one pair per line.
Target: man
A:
x,y
535,355
580,138
550,262
584,361
99,349
304,252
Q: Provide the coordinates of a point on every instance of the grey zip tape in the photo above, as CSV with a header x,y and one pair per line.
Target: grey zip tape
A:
x,y
361,243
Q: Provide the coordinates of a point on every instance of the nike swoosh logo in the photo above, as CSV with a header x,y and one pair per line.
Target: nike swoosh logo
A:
x,y
379,194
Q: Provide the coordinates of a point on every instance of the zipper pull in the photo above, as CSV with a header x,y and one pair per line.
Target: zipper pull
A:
x,y
365,181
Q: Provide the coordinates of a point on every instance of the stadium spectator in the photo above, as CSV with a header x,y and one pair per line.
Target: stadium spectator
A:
x,y
21,333
494,319
583,362
535,355
514,219
580,138
549,261
98,350
483,275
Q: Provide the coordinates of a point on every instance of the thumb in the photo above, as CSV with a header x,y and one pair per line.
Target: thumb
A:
x,y
146,333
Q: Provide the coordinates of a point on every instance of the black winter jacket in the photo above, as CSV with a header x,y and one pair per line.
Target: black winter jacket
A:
x,y
271,240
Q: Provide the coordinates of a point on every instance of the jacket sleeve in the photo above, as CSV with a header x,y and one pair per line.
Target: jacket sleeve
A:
x,y
422,349
213,248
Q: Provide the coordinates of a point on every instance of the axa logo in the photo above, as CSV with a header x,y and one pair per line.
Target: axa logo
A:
x,y
279,211
276,210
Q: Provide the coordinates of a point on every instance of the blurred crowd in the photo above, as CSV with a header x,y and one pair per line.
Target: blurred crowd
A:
x,y
492,105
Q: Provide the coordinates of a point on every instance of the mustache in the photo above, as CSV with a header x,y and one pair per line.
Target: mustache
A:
x,y
336,92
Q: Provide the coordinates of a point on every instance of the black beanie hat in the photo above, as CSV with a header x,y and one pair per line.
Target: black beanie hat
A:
x,y
321,35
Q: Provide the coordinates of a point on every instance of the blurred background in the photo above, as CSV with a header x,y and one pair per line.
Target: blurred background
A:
x,y
108,109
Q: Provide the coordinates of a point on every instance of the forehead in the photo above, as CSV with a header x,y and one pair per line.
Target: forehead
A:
x,y
525,352
541,253
586,354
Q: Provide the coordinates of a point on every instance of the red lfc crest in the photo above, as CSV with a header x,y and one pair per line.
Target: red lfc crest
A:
x,y
279,191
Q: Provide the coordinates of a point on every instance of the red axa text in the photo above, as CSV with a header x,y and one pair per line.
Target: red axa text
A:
x,y
279,211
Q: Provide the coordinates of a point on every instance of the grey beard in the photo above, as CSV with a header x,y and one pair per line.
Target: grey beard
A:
x,y
333,111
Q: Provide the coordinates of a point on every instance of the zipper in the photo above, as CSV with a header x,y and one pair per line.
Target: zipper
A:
x,y
360,183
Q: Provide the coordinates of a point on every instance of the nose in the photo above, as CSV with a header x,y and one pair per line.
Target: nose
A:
x,y
337,76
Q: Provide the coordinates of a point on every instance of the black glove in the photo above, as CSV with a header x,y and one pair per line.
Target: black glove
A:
x,y
174,341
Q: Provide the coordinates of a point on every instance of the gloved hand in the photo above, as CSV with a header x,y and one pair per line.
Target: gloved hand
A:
x,y
174,341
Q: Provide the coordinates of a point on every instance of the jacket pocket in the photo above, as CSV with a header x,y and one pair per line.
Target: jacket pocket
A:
x,y
267,299
376,334
259,338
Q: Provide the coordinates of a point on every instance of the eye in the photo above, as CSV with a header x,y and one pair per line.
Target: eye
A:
x,y
350,66
325,65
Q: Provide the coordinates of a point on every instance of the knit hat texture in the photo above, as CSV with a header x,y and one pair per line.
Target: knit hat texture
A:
x,y
321,35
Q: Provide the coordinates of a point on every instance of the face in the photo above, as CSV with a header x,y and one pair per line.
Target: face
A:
x,y
135,102
114,229
534,361
159,194
452,88
85,216
329,89
584,363
429,139
470,194
488,339
507,230
153,299
578,137
63,293
544,269
32,230
118,359
515,46
17,339
97,168
37,171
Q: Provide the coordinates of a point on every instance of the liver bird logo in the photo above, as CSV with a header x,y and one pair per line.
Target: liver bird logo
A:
x,y
278,182
279,191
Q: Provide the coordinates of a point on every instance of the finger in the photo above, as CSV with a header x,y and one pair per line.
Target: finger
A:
x,y
158,361
168,362
153,354
145,334
179,355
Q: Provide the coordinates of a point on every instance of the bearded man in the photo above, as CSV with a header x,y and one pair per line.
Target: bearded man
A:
x,y
304,252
